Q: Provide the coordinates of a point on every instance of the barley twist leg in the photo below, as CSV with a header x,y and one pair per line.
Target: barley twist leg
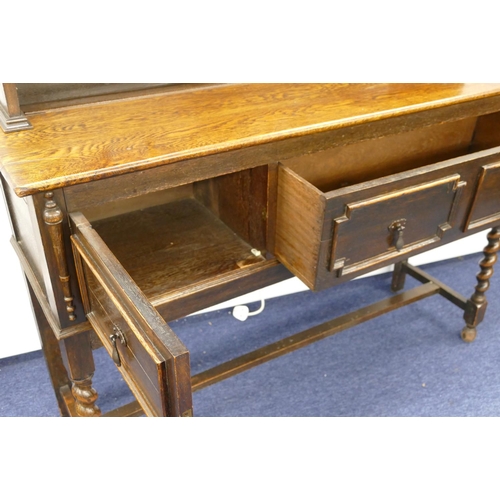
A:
x,y
476,305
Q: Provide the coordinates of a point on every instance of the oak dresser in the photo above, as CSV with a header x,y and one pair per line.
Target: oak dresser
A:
x,y
133,205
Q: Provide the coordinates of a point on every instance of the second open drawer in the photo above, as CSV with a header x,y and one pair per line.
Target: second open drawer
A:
x,y
326,236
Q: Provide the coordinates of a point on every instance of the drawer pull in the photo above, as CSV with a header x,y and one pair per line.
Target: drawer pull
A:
x,y
117,334
397,228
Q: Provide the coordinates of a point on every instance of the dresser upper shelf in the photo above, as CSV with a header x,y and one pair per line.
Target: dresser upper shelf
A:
x,y
78,144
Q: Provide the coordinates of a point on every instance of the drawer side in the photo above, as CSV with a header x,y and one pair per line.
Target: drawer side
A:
x,y
299,219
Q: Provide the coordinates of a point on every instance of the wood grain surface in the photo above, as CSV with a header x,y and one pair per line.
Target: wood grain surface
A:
x,y
172,246
82,143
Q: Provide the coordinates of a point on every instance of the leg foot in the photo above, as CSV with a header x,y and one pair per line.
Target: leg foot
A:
x,y
468,333
80,362
85,397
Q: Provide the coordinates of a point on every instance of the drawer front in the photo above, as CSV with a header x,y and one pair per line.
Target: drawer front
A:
x,y
375,229
485,207
151,359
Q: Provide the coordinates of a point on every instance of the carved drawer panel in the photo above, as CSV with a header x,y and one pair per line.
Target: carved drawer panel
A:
x,y
328,236
374,229
485,207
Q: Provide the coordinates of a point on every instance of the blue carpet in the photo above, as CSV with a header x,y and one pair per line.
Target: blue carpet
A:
x,y
410,362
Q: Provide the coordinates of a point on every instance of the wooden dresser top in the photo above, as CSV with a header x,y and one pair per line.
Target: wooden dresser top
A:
x,y
83,143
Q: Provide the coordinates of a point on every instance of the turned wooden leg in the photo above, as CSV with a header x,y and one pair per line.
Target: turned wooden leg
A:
x,y
476,305
80,362
398,277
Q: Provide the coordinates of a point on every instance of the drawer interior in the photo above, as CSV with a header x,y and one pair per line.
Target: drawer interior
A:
x,y
188,236
368,160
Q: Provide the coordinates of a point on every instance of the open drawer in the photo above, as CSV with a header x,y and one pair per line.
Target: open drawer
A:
x,y
162,258
151,359
334,223
189,246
